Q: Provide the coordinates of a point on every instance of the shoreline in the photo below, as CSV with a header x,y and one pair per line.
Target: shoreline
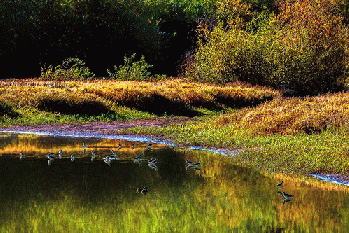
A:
x,y
107,130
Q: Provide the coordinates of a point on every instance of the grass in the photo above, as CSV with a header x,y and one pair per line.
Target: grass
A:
x,y
76,101
286,135
278,135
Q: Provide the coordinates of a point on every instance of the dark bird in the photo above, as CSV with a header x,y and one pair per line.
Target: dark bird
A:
x,y
142,190
60,153
21,155
133,146
287,196
72,157
50,156
280,184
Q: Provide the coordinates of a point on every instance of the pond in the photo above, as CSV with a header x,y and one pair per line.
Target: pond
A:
x,y
113,185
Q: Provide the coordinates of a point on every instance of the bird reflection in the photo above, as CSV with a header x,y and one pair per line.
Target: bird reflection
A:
x,y
138,160
93,155
50,161
152,163
194,166
287,197
109,158
143,190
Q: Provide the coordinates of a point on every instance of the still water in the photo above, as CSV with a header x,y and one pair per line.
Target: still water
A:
x,y
153,188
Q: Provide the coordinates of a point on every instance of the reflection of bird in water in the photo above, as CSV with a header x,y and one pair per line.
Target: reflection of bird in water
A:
x,y
285,201
72,157
138,160
50,161
143,190
109,158
191,165
152,161
280,184
286,197
93,157
21,155
60,153
113,152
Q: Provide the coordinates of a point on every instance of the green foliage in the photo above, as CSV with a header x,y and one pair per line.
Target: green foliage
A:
x,y
304,48
71,69
131,70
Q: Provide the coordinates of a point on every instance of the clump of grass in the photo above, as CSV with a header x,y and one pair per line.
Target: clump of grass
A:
x,y
310,115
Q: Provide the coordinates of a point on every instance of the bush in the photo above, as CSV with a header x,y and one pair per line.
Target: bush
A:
x,y
71,69
136,71
304,48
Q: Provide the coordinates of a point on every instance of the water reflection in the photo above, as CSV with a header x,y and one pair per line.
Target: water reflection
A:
x,y
187,192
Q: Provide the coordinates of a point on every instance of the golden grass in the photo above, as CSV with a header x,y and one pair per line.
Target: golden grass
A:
x,y
166,97
294,115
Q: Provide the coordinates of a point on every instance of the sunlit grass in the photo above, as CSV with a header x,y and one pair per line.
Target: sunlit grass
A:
x,y
109,100
291,135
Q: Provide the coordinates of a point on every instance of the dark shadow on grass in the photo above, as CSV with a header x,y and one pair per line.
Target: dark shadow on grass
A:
x,y
159,105
89,108
6,109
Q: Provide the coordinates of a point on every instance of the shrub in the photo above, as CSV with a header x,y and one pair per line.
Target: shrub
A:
x,y
71,69
304,48
136,71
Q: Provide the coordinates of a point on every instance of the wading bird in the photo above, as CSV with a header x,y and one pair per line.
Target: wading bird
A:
x,y
21,155
287,196
50,156
60,153
72,157
280,184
